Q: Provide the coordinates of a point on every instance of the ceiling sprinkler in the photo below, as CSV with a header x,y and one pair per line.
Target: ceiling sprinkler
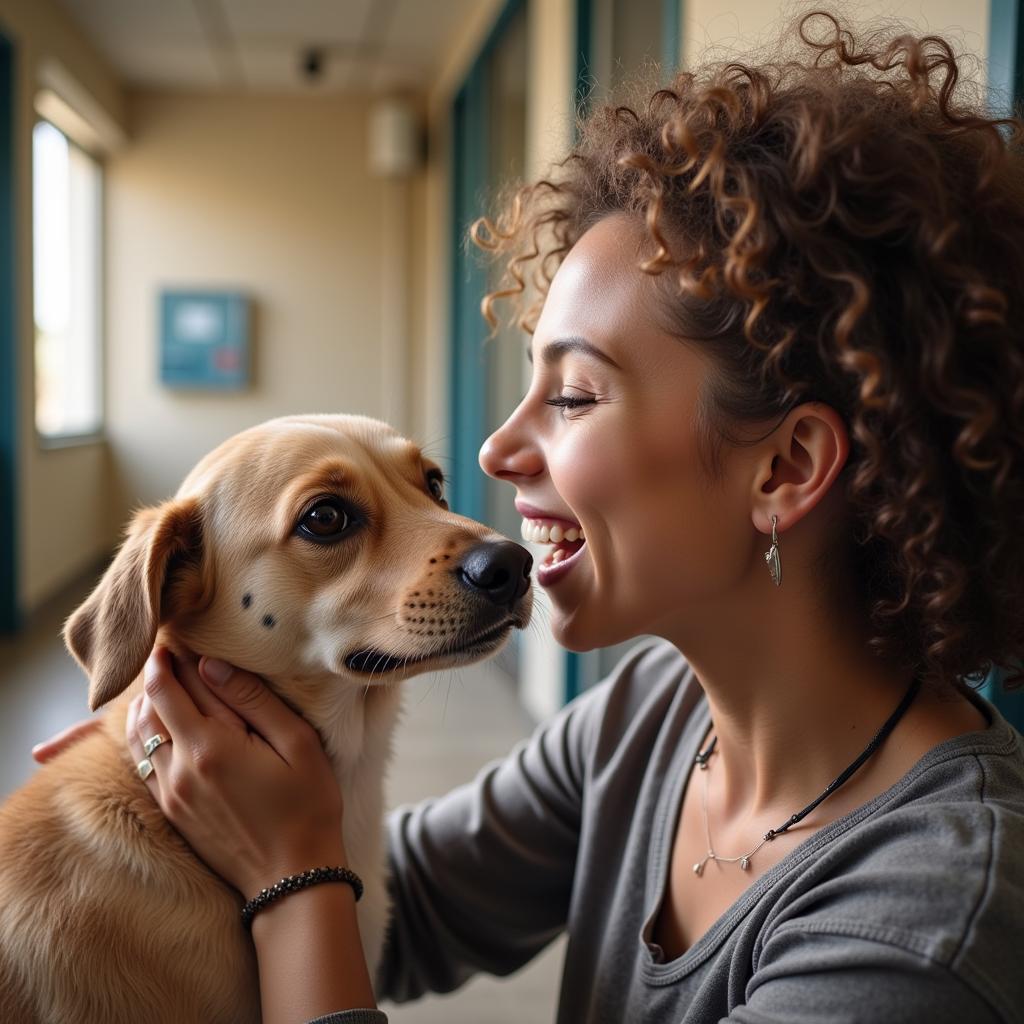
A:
x,y
312,63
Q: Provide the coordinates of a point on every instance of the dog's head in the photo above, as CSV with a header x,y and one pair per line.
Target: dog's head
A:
x,y
305,547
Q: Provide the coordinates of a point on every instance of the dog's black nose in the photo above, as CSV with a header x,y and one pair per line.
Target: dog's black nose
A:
x,y
500,570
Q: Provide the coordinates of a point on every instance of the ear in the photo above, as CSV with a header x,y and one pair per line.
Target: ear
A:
x,y
113,632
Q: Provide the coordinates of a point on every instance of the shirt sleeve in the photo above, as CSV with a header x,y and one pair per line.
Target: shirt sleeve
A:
x,y
812,976
481,879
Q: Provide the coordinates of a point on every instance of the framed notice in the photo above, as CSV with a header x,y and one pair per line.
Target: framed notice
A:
x,y
204,340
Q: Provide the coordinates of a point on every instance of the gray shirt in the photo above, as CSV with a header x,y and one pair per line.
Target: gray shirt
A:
x,y
910,908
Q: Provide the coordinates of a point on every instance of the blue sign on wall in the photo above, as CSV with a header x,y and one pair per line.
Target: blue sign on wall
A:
x,y
204,339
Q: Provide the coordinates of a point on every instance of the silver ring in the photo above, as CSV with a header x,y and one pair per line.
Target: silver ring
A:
x,y
144,768
153,742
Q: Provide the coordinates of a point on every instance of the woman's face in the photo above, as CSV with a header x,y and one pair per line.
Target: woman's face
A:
x,y
663,544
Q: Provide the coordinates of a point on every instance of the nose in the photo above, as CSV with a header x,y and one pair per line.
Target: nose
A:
x,y
499,570
511,451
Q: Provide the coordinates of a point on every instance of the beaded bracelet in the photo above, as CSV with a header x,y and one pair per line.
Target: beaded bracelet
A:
x,y
292,883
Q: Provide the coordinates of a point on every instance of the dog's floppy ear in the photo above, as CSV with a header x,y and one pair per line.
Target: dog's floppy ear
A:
x,y
112,633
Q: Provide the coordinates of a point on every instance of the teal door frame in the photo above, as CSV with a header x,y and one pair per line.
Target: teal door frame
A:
x,y
671,35
1005,46
471,177
1006,81
9,611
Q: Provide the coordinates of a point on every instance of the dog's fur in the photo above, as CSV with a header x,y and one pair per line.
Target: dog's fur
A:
x,y
105,913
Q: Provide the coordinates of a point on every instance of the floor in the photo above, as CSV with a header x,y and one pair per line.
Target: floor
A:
x,y
454,723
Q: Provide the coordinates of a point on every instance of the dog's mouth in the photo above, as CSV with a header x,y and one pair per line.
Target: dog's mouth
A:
x,y
375,662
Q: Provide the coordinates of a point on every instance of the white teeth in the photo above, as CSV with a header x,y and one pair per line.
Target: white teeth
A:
x,y
558,555
536,532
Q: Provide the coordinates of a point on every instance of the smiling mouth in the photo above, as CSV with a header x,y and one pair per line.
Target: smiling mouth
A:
x,y
564,540
375,662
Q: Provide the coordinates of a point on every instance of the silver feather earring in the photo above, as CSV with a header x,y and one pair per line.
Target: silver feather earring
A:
x,y
771,556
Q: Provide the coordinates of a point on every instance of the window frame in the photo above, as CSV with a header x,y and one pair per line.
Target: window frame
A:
x,y
10,403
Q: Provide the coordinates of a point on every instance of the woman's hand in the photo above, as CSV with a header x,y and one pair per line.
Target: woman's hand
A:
x,y
244,779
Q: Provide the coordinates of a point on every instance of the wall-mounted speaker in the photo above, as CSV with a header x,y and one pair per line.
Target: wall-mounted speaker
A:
x,y
395,140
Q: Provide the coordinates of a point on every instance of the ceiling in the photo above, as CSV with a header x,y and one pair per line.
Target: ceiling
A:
x,y
259,45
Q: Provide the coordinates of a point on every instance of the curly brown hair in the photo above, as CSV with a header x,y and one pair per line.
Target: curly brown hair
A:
x,y
843,228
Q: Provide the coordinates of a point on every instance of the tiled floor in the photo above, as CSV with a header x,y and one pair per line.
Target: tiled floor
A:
x,y
454,723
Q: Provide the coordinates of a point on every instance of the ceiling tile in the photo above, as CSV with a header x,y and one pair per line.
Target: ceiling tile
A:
x,y
169,67
175,19
370,45
296,22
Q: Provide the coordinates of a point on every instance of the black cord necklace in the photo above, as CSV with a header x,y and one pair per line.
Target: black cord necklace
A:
x,y
701,760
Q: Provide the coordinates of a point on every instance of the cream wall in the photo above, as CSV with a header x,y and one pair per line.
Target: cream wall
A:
x,y
63,518
269,195
733,26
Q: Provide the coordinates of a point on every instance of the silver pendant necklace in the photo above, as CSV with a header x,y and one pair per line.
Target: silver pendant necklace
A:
x,y
701,760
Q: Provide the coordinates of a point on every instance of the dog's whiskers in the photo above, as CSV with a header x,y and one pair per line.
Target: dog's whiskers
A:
x,y
383,658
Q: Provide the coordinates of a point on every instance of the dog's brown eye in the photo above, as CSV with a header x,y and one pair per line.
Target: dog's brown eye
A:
x,y
435,482
327,520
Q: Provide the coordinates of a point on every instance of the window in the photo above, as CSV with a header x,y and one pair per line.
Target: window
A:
x,y
66,224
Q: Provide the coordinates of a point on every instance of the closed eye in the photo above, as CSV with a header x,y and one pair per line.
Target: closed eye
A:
x,y
570,401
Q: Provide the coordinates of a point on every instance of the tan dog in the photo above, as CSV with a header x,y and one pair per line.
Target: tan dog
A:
x,y
317,551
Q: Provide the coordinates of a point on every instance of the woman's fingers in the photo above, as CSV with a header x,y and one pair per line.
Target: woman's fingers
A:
x,y
172,703
187,673
247,694
49,749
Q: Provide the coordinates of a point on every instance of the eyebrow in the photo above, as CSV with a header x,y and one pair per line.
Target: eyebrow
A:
x,y
328,476
555,350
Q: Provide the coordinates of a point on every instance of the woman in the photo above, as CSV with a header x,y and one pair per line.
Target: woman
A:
x,y
778,384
